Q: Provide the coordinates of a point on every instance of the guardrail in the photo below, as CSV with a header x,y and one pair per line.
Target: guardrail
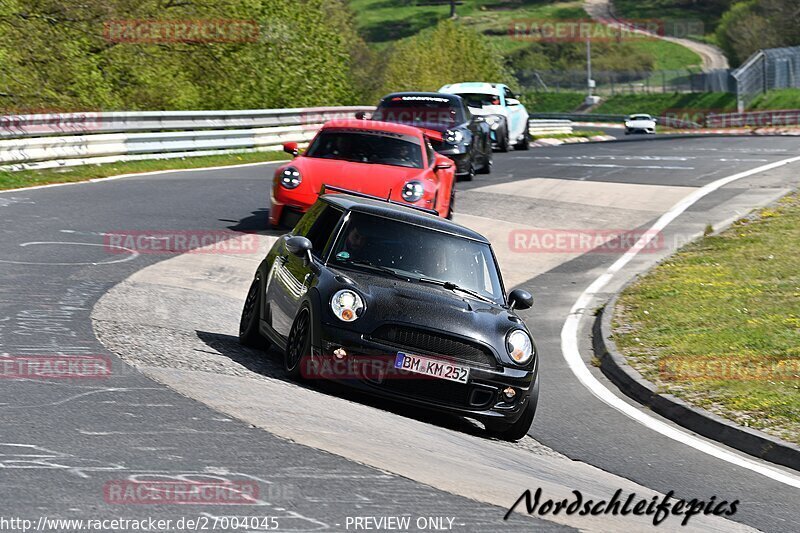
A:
x,y
669,122
754,119
69,139
538,127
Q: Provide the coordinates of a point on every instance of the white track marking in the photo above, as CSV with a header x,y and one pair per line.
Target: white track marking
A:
x,y
141,174
611,165
128,257
571,352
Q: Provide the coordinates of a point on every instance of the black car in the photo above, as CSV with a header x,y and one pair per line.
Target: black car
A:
x,y
454,131
401,304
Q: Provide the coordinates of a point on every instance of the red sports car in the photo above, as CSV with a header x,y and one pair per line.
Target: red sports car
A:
x,y
392,161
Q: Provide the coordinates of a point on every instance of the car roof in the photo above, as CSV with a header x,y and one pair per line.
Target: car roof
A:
x,y
373,125
451,97
400,213
473,87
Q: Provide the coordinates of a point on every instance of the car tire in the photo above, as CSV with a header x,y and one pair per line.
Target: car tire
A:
x,y
517,430
298,344
502,140
525,143
450,208
469,176
487,164
249,334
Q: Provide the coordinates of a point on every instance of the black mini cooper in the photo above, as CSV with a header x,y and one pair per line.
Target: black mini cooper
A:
x,y
399,303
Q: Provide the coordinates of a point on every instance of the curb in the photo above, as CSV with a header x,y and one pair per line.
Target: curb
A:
x,y
616,368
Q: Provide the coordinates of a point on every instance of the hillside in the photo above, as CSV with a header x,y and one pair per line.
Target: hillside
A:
x,y
384,23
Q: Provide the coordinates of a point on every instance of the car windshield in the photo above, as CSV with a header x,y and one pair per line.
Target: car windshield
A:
x,y
640,117
478,100
382,148
423,111
377,243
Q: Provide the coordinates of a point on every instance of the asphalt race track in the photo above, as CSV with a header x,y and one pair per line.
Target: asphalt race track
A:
x,y
186,402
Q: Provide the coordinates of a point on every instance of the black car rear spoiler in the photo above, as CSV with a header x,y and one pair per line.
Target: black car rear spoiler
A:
x,y
326,188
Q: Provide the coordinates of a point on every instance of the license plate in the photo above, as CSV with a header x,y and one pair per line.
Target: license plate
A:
x,y
431,367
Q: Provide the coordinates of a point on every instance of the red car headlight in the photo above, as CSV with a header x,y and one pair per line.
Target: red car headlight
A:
x,y
290,178
412,191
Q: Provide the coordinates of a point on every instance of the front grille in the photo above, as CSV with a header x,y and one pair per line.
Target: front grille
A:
x,y
440,391
433,343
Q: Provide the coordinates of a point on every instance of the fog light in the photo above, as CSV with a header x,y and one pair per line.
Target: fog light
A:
x,y
340,353
509,393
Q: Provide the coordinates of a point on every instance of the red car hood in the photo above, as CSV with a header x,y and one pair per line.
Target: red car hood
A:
x,y
362,177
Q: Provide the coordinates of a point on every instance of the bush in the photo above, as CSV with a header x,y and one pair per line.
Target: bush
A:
x,y
448,53
55,56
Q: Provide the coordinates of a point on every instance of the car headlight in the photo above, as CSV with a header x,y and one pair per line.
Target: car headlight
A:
x,y
494,121
347,305
519,346
291,178
412,191
453,136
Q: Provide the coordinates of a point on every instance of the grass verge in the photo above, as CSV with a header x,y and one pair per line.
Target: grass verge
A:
x,y
29,178
658,103
777,99
718,324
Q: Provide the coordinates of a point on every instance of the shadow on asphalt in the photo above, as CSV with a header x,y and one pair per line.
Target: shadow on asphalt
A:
x,y
270,364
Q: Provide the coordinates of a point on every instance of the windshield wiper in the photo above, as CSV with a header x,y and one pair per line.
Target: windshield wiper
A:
x,y
453,287
381,268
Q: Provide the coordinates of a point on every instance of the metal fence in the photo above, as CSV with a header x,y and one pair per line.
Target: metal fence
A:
x,y
611,83
69,139
774,68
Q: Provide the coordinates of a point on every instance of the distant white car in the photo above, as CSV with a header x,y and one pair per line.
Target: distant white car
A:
x,y
500,108
640,124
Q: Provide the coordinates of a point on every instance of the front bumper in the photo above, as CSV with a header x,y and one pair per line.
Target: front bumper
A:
x,y
286,209
462,161
370,369
645,131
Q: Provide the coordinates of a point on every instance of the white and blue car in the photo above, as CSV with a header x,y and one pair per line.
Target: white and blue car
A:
x,y
501,109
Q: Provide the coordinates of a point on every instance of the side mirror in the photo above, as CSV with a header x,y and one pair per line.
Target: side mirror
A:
x,y
291,148
512,101
442,166
361,115
520,299
299,246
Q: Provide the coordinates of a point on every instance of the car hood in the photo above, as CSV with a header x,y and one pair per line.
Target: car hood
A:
x,y
367,178
394,300
489,110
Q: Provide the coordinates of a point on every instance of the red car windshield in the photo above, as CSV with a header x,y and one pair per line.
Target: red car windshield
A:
x,y
379,148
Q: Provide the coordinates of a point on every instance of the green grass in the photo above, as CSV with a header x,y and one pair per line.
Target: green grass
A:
x,y
778,99
389,20
658,103
665,10
29,178
576,133
668,56
565,102
731,299
382,22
